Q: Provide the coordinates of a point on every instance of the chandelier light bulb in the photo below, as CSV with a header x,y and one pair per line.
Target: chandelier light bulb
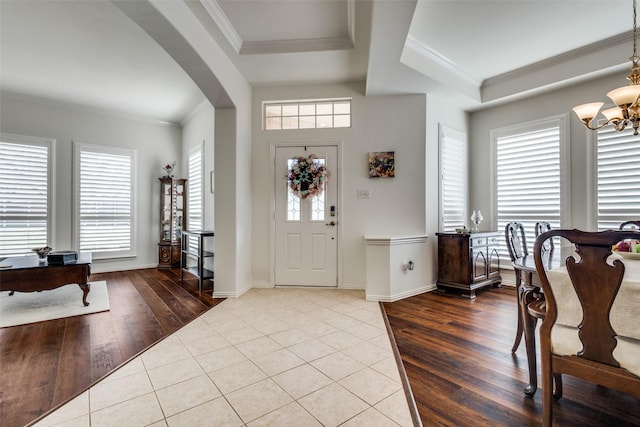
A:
x,y
588,111
625,96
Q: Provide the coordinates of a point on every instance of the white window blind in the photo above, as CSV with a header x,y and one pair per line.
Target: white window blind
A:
x,y
105,201
528,178
618,164
24,195
453,179
194,208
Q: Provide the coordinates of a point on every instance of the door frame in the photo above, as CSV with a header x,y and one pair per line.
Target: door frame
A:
x,y
337,174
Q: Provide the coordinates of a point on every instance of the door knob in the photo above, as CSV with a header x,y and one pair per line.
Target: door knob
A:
x,y
331,224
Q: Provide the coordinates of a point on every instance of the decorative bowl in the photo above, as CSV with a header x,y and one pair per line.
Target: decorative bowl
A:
x,y
42,252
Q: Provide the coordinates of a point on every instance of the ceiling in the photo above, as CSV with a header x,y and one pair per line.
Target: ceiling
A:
x,y
476,52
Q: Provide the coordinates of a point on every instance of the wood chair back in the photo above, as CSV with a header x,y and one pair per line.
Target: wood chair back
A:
x,y
514,235
596,283
630,224
541,227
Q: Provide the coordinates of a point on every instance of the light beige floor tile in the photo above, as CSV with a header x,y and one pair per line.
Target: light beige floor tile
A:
x,y
317,328
132,367
337,366
302,380
258,399
219,359
343,322
291,415
169,341
340,340
383,342
278,361
396,408
333,405
109,393
165,356
290,337
366,353
196,330
173,373
215,413
231,324
388,367
186,395
75,408
206,345
81,421
258,347
235,377
311,350
141,411
268,324
366,332
321,313
371,317
368,418
242,335
370,385
162,423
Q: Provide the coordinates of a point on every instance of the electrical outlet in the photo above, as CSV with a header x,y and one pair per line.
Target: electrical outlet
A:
x,y
364,194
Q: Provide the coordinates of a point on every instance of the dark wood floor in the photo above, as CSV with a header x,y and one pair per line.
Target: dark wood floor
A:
x,y
43,365
456,353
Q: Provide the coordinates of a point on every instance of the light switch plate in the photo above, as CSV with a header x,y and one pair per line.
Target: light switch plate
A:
x,y
364,194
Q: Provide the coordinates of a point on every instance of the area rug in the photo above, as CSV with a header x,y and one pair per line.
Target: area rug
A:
x,y
29,307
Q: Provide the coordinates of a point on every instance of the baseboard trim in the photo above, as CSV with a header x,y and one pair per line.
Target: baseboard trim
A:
x,y
403,295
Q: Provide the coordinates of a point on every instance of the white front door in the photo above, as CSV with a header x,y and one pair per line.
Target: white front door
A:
x,y
306,237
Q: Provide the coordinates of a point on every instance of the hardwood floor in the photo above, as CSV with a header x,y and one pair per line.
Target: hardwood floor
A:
x,y
42,365
456,353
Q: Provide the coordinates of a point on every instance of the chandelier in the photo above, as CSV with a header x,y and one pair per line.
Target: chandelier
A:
x,y
626,98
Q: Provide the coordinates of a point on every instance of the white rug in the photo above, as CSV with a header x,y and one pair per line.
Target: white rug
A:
x,y
66,301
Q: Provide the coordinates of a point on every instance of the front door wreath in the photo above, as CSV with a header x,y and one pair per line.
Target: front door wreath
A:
x,y
307,176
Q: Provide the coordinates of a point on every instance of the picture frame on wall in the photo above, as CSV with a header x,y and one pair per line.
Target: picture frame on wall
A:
x,y
382,164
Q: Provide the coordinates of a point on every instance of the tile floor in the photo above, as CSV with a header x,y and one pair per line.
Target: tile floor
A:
x,y
273,357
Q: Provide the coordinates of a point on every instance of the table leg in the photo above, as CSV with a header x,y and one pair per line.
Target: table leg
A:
x,y
85,291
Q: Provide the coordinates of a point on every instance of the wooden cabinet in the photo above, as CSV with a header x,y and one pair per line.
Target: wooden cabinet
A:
x,y
173,214
193,249
468,261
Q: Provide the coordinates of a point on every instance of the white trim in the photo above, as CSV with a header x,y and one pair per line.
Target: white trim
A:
x,y
220,18
402,295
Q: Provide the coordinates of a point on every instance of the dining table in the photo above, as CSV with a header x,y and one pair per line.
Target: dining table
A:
x,y
554,263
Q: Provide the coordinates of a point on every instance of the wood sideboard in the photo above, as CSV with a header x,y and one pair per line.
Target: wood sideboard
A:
x,y
468,261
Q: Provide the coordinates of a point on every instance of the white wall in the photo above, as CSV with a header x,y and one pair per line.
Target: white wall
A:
x,y
538,107
397,205
155,143
199,129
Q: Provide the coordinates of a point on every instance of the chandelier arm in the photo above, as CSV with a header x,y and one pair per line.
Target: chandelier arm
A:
x,y
618,123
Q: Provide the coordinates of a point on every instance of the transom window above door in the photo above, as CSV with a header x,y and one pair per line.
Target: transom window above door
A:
x,y
308,114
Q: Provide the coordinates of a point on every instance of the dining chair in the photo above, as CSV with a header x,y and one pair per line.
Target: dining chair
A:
x,y
584,301
631,224
541,227
515,237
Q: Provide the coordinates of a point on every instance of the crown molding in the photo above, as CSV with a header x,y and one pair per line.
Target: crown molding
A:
x,y
241,47
215,11
558,59
435,57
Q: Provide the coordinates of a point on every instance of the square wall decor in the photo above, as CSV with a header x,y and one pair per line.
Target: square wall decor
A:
x,y
382,164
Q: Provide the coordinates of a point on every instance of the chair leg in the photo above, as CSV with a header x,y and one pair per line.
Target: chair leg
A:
x,y
557,391
530,342
520,327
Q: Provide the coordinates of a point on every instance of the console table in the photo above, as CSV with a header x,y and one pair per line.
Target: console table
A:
x,y
29,274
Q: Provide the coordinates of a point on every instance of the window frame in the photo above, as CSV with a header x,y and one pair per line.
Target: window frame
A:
x,y
50,144
199,149
562,122
306,102
78,147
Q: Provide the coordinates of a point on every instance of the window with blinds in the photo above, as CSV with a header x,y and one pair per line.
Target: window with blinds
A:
x,y
25,194
618,175
194,207
105,200
453,179
528,176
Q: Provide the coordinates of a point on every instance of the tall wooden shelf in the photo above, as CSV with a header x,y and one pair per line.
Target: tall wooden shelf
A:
x,y
173,217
